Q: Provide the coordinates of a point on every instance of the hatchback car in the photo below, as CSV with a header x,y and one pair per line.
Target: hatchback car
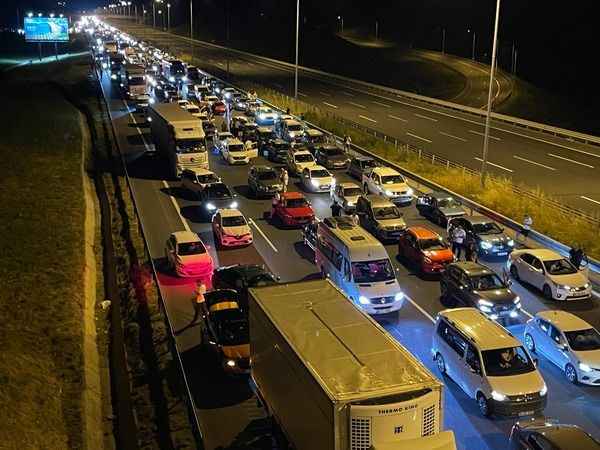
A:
x,y
231,229
216,196
425,249
359,165
293,209
241,277
277,149
567,341
547,434
317,179
186,254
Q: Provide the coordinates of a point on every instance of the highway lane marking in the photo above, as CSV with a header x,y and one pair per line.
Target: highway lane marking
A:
x,y
302,94
418,137
391,116
329,104
483,134
533,162
348,94
425,117
453,137
358,105
527,313
570,160
325,94
368,118
589,199
416,305
251,222
495,165
381,104
177,208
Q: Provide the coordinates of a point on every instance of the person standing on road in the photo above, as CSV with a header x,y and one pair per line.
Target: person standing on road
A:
x,y
347,142
355,219
576,256
285,178
458,241
527,224
336,210
471,250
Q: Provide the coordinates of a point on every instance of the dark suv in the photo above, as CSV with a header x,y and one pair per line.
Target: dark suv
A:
x,y
264,181
439,207
332,157
466,283
546,434
277,149
488,236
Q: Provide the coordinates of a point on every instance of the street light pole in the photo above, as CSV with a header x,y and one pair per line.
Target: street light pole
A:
x,y
443,41
473,47
297,39
486,137
192,29
168,17
153,14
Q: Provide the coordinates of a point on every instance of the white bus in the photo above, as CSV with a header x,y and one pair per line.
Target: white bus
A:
x,y
357,264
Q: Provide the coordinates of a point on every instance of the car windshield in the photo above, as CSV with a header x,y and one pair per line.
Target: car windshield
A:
x,y
296,203
366,164
559,267
267,175
372,271
583,340
191,248
193,110
232,327
333,151
319,173
387,212
217,190
208,178
234,221
352,192
487,282
448,203
486,228
432,244
236,148
505,362
294,127
303,158
191,146
392,179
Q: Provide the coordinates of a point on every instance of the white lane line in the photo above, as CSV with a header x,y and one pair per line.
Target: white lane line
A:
x,y
416,305
381,104
570,160
251,222
348,94
176,206
302,94
330,105
391,116
527,313
589,199
453,137
418,137
496,165
358,105
368,118
425,117
533,162
325,94
482,134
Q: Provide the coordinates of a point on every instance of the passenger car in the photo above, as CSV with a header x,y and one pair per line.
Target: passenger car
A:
x,y
297,161
293,209
380,216
241,277
567,341
424,248
439,207
235,152
547,434
195,180
387,182
231,229
218,108
265,116
554,275
187,256
468,283
216,196
317,179
488,236
332,157
263,181
359,165
346,195
277,149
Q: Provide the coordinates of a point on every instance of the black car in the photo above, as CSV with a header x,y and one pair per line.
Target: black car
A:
x,y
332,157
215,196
277,150
193,75
241,277
359,165
210,129
544,434
488,236
466,283
439,207
264,181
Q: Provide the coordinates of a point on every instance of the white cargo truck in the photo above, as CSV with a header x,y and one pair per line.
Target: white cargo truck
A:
x,y
334,379
178,136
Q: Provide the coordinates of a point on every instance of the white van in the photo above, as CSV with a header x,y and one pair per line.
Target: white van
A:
x,y
488,363
357,264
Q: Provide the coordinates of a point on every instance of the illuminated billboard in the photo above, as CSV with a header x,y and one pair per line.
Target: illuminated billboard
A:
x,y
46,29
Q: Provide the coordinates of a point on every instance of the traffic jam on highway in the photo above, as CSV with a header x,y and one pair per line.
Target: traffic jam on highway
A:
x,y
366,288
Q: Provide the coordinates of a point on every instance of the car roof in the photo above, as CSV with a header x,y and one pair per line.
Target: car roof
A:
x,y
363,158
185,236
263,168
292,122
564,321
480,329
315,167
314,132
543,254
385,171
302,152
200,171
291,195
349,184
477,219
243,269
229,212
440,195
378,200
423,232
234,140
472,268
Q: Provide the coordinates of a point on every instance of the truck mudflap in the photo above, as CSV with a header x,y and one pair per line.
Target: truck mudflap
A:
x,y
441,441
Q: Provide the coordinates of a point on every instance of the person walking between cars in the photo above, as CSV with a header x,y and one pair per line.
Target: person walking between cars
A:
x,y
458,241
355,219
336,209
527,224
274,203
471,250
285,178
347,142
576,256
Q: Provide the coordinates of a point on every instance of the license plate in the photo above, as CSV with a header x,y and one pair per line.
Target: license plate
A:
x,y
525,413
502,253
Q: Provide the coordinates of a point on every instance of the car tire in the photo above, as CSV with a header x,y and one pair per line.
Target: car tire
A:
x,y
440,363
514,272
484,405
571,373
547,291
529,343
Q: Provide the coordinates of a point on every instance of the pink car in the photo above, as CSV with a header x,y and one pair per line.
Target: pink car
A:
x,y
187,255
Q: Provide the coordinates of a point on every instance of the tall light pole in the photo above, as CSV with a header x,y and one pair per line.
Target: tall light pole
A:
x,y
162,20
443,41
473,44
129,9
192,29
486,136
297,39
168,17
154,14
341,18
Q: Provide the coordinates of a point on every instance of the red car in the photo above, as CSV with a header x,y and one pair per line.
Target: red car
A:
x,y
293,209
218,108
424,248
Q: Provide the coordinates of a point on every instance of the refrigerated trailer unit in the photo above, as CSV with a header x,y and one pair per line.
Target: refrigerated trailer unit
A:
x,y
334,379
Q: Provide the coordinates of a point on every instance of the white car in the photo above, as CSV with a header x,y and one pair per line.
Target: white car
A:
x,y
230,228
197,112
346,195
210,99
186,254
196,179
265,116
235,152
567,341
548,271
317,179
300,160
389,183
184,103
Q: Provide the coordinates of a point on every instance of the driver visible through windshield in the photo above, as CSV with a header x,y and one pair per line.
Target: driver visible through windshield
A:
x,y
506,362
387,212
559,267
372,271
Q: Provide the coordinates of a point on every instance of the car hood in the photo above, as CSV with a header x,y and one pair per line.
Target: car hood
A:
x,y
323,180
351,199
494,239
589,357
193,260
453,211
269,183
237,231
379,288
574,280
439,255
497,296
395,187
388,223
336,158
236,351
526,383
299,212
304,165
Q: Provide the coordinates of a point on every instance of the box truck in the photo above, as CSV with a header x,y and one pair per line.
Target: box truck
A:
x,y
178,136
334,379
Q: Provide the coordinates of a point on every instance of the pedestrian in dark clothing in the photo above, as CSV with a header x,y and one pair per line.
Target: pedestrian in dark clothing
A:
x,y
336,210
471,250
287,111
576,256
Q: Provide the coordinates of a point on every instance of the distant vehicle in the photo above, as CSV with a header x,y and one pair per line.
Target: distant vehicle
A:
x,y
317,179
196,111
359,165
186,254
381,217
332,157
346,195
548,271
542,434
216,196
231,229
387,182
227,93
277,149
193,75
173,70
439,207
201,91
488,236
241,277
218,108
300,160
425,249
116,61
264,181
291,130
314,139
568,342
134,81
196,179
293,210
265,116
241,103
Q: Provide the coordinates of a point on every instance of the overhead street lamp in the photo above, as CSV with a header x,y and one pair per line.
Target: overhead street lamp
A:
x,y
341,18
129,9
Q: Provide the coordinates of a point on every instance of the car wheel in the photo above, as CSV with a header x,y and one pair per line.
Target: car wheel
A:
x,y
441,364
547,292
529,342
484,406
514,272
571,373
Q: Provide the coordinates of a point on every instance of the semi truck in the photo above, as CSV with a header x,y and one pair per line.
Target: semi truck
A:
x,y
333,379
178,136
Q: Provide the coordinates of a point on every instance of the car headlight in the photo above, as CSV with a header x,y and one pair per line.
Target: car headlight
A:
x,y
210,206
389,193
104,65
482,302
511,243
566,286
171,79
399,296
113,77
517,300
410,191
230,363
363,300
586,285
349,203
499,397
315,183
151,101
544,390
584,367
485,245
233,205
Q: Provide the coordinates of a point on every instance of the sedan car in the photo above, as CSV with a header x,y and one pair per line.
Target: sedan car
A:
x,y
380,217
547,434
567,341
487,235
297,161
218,108
264,181
317,179
186,254
346,195
439,207
226,331
425,248
195,180
216,196
231,229
293,210
241,277
554,275
467,283
359,165
332,157
265,116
